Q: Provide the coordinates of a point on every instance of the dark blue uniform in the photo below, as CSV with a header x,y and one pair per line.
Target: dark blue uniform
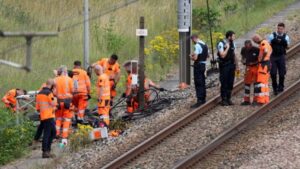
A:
x,y
279,45
227,71
201,50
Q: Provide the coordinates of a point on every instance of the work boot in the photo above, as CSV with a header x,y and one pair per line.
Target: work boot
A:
x,y
198,104
257,104
47,154
224,103
245,103
275,92
230,103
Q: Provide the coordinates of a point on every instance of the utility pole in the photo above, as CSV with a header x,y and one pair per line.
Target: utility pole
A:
x,y
142,32
28,37
184,29
213,61
86,50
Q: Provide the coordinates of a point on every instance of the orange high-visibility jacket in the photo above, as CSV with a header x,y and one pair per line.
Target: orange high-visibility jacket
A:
x,y
81,81
63,87
264,47
110,70
45,104
103,87
10,97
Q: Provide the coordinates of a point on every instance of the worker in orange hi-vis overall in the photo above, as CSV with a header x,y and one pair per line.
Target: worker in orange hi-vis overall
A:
x,y
9,99
112,68
103,92
63,85
82,88
249,59
261,87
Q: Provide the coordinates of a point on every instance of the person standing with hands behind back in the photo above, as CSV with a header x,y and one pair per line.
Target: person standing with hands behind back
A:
x,y
228,64
199,57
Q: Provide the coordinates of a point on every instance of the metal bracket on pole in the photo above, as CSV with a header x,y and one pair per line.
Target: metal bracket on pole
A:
x,y
28,37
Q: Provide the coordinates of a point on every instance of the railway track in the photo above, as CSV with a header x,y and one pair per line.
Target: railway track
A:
x,y
179,124
246,122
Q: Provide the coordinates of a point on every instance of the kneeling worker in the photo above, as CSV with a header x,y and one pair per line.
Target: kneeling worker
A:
x,y
249,58
103,92
10,100
45,105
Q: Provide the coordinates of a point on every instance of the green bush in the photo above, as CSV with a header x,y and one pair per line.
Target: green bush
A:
x,y
14,139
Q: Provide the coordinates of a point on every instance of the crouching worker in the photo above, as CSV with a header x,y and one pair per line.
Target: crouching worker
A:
x,y
45,105
103,92
249,58
131,92
10,98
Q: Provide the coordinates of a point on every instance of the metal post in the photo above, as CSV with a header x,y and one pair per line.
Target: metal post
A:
x,y
28,53
86,35
184,28
213,62
141,66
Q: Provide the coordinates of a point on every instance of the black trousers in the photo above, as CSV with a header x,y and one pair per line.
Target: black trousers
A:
x,y
39,132
49,133
227,74
278,66
199,79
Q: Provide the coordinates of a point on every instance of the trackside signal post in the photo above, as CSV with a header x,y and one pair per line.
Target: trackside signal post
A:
x,y
141,33
184,29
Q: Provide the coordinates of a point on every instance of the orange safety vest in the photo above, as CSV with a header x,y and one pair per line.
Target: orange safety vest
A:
x,y
129,87
81,81
264,46
103,87
64,87
10,97
44,104
110,70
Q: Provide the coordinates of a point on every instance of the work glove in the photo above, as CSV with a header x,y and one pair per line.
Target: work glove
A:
x,y
124,95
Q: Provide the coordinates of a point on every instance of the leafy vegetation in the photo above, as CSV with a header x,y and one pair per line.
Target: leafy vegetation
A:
x,y
14,138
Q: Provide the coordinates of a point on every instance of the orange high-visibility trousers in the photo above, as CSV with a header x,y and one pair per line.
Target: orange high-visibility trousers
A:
x,y
103,110
81,103
249,78
261,87
63,119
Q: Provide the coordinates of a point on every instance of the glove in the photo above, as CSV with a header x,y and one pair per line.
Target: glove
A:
x,y
89,97
124,95
162,89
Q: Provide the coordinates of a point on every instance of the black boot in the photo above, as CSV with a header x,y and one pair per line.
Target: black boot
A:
x,y
281,84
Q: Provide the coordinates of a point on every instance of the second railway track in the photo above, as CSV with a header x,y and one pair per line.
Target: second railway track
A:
x,y
189,133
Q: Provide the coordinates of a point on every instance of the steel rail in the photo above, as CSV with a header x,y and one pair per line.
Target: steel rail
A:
x,y
177,125
244,123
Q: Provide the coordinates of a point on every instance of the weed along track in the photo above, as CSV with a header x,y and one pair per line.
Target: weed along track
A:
x,y
190,133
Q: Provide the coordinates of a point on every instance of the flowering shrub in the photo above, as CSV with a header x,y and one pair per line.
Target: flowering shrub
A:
x,y
80,138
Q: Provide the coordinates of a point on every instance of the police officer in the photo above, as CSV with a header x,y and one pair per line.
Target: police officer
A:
x,y
279,41
227,66
199,57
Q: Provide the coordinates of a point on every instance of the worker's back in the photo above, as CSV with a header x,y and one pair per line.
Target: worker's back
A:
x,y
64,87
103,85
81,81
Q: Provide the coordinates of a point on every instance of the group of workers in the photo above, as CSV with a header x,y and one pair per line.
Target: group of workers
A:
x,y
260,62
67,94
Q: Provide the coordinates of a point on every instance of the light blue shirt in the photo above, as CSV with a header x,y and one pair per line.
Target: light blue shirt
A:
x,y
221,46
287,38
198,49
